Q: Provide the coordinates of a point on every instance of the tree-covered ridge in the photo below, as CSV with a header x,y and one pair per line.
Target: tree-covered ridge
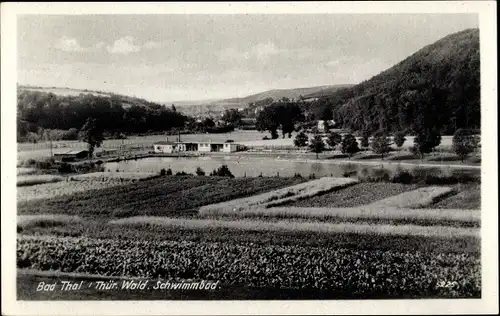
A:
x,y
38,110
440,82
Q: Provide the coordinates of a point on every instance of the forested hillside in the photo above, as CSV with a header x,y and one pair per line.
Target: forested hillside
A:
x,y
438,85
64,115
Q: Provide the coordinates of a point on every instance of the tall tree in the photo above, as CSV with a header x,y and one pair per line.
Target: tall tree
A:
x,y
300,140
464,142
334,139
399,139
349,145
425,141
381,145
316,145
92,134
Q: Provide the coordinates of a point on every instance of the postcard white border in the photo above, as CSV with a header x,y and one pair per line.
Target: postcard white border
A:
x,y
488,44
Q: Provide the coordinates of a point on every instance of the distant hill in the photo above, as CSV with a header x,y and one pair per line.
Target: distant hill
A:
x,y
439,85
219,106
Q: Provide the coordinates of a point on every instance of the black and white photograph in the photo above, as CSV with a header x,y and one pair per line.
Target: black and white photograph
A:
x,y
250,155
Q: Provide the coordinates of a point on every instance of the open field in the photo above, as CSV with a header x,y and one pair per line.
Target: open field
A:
x,y
348,270
29,180
166,195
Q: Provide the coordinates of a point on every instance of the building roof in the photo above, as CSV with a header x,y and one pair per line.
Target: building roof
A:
x,y
164,143
72,152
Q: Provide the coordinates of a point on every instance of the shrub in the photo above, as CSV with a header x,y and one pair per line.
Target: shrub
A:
x,y
163,172
222,171
265,138
182,173
65,168
200,172
403,176
169,172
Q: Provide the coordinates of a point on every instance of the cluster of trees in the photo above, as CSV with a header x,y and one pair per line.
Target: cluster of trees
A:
x,y
465,141
282,115
437,89
37,111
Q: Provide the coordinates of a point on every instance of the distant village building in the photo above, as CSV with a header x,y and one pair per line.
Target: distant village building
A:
x,y
72,155
321,125
178,147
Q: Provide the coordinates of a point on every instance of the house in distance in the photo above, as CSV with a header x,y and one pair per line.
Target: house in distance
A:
x,y
176,147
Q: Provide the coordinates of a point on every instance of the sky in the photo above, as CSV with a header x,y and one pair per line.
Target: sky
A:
x,y
193,57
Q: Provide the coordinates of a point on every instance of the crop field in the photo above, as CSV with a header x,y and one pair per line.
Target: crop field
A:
x,y
304,226
343,271
420,197
374,243
65,188
355,195
468,197
278,197
159,196
425,217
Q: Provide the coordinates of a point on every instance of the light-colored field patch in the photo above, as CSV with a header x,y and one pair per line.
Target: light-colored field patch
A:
x,y
364,213
62,188
26,171
413,199
297,226
28,180
277,197
25,221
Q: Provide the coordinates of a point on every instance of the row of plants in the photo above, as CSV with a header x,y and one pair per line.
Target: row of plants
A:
x,y
158,196
431,176
222,171
392,273
465,142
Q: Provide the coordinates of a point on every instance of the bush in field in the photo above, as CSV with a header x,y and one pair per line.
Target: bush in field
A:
x,y
349,145
65,168
163,172
222,171
169,172
334,139
300,140
425,141
381,145
182,173
316,145
200,172
464,143
399,139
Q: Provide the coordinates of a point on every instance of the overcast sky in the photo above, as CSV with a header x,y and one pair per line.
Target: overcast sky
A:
x,y
191,57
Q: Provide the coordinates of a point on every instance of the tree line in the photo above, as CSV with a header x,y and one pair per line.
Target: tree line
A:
x,y
39,111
